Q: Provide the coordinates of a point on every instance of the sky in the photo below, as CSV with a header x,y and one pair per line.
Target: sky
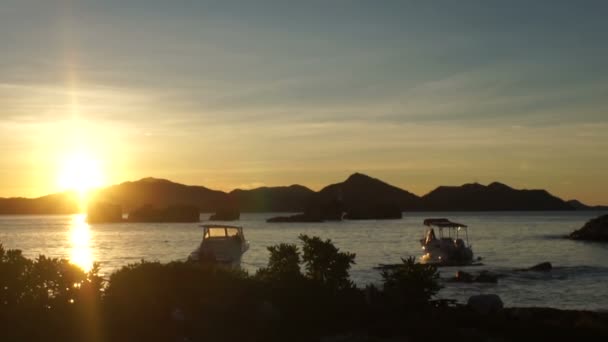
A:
x,y
244,94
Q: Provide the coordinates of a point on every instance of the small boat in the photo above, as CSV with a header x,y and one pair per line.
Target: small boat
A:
x,y
221,244
448,248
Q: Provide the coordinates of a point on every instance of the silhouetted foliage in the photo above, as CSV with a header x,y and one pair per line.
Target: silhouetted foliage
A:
x,y
283,264
325,263
411,284
154,301
39,296
47,299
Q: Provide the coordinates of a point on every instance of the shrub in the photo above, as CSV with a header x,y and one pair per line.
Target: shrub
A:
x,y
411,284
283,264
325,264
49,294
154,301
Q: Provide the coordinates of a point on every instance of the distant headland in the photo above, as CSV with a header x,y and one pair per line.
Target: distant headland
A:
x,y
359,196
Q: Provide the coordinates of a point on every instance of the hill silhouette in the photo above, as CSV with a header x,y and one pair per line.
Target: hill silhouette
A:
x,y
266,199
363,197
495,196
60,203
161,193
359,188
360,196
578,205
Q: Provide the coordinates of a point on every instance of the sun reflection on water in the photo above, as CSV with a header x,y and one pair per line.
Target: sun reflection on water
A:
x,y
80,239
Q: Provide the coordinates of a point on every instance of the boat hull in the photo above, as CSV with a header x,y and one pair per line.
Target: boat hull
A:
x,y
446,253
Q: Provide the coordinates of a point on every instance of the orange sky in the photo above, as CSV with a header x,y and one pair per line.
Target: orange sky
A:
x,y
228,96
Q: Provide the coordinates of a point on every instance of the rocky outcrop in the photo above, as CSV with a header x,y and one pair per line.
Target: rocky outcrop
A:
x,y
481,277
377,212
175,213
594,230
332,210
104,213
542,267
294,218
227,214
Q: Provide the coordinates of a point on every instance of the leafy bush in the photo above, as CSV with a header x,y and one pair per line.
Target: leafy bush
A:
x,y
324,263
411,284
283,264
202,301
46,293
154,301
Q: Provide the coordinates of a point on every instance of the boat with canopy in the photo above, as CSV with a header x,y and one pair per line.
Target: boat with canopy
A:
x,y
449,246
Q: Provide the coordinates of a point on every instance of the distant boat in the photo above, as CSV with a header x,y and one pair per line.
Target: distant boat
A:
x,y
450,247
222,244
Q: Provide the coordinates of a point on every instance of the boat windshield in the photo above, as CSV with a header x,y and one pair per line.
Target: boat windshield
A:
x,y
231,232
221,232
216,232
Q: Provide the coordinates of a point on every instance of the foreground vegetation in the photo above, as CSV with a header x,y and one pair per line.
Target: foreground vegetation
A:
x,y
303,294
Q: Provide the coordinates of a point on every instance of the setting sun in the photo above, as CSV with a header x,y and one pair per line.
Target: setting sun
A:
x,y
80,172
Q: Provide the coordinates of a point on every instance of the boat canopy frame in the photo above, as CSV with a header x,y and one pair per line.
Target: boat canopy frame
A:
x,y
453,228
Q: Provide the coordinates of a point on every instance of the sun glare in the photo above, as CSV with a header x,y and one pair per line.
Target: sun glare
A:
x,y
80,172
80,239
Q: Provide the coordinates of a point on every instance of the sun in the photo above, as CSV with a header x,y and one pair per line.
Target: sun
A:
x,y
80,172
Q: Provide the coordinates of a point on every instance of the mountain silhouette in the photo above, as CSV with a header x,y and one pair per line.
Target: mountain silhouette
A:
x,y
359,196
266,199
55,204
578,205
161,193
495,196
363,197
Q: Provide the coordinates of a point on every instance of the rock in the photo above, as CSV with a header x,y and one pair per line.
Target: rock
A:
x,y
104,213
294,218
228,214
482,277
375,212
485,304
174,213
465,277
328,210
542,267
486,277
594,230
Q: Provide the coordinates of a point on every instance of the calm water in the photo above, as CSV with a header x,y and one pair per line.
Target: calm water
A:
x,y
505,241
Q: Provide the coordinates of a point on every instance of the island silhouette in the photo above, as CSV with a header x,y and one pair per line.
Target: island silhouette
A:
x,y
358,197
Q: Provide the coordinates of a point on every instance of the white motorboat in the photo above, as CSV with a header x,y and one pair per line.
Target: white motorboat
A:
x,y
221,244
450,247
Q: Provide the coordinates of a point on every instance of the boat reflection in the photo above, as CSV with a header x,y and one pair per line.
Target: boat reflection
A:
x,y
80,242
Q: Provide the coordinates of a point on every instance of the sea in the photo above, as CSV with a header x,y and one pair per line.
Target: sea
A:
x,y
506,242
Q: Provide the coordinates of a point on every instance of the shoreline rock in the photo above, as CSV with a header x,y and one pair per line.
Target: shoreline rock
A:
x,y
175,213
102,212
294,218
230,214
485,304
594,230
481,277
